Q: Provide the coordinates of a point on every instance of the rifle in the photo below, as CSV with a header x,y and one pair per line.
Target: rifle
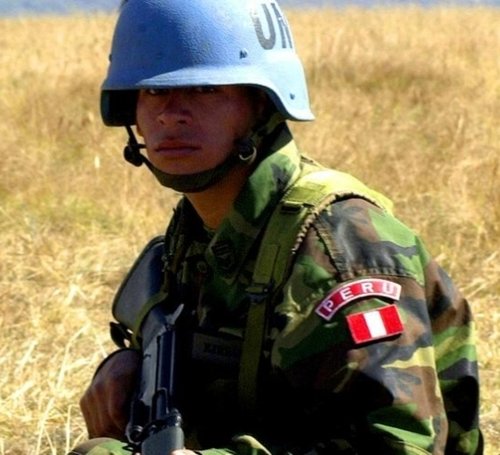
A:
x,y
155,424
154,403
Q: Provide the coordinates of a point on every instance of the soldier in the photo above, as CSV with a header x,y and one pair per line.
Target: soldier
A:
x,y
315,321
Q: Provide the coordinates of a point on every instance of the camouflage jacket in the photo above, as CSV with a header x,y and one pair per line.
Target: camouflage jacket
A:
x,y
331,381
321,390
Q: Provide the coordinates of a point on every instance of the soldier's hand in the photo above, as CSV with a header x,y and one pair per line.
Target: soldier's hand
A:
x,y
106,403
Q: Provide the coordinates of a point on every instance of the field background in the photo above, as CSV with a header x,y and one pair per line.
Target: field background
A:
x,y
406,99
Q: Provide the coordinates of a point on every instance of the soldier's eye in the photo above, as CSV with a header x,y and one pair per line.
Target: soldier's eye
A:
x,y
156,91
204,89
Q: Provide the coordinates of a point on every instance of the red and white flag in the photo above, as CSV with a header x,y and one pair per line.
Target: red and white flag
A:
x,y
375,324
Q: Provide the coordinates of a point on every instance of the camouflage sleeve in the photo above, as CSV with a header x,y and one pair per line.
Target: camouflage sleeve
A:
x,y
241,445
414,392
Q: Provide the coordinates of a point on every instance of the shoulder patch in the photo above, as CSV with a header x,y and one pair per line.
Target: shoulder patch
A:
x,y
376,324
355,290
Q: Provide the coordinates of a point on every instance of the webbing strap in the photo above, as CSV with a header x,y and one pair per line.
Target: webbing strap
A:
x,y
283,234
249,364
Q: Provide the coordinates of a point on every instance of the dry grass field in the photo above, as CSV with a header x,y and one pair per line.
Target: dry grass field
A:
x,y
406,99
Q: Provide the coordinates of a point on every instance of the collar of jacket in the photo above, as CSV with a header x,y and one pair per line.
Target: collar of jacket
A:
x,y
240,231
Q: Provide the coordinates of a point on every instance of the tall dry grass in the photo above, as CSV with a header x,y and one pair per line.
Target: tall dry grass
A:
x,y
406,99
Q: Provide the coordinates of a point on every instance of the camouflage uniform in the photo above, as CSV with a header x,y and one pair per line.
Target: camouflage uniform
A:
x,y
321,392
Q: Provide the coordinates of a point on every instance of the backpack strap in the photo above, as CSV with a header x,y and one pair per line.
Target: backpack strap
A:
x,y
284,233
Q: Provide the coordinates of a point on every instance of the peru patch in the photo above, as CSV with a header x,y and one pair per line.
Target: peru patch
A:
x,y
355,290
375,324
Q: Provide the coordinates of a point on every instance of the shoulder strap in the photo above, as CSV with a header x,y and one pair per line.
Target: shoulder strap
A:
x,y
283,235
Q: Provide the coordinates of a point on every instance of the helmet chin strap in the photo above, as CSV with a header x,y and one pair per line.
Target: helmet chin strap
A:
x,y
245,152
132,151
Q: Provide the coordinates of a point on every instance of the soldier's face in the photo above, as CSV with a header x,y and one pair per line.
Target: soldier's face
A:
x,y
189,130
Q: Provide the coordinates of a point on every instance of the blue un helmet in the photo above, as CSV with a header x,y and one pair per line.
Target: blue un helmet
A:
x,y
166,44
179,43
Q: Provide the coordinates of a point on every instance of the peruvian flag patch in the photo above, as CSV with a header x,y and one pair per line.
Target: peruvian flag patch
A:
x,y
375,324
356,290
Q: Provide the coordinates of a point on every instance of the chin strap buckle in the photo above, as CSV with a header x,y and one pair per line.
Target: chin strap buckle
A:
x,y
131,152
